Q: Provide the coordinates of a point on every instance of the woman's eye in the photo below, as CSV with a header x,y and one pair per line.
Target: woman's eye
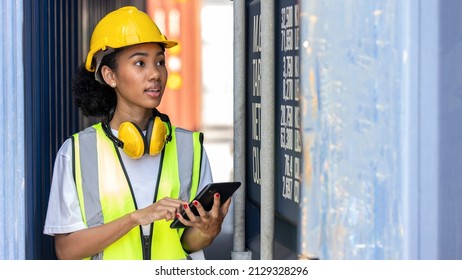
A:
x,y
161,62
139,63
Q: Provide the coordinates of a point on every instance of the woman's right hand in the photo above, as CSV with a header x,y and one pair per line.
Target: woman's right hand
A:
x,y
166,209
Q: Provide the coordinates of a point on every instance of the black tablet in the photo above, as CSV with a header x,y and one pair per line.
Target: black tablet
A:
x,y
205,197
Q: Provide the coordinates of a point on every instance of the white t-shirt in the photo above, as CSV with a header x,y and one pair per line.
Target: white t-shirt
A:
x,y
63,214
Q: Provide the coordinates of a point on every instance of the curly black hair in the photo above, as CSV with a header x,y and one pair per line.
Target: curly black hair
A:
x,y
93,98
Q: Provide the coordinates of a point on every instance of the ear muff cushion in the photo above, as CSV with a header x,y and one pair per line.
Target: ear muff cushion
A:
x,y
132,137
156,136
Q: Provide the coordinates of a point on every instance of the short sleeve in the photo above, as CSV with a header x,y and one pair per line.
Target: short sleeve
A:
x,y
63,213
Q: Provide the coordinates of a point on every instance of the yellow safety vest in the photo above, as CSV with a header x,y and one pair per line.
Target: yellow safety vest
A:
x,y
105,193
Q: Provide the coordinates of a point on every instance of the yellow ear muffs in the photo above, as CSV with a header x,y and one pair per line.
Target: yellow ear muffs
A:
x,y
134,143
156,135
132,140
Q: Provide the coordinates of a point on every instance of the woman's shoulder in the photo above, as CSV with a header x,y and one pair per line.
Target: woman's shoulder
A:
x,y
180,130
89,130
66,147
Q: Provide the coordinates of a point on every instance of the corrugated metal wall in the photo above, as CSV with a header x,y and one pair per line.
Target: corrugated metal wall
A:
x,y
12,231
50,56
447,113
382,151
353,122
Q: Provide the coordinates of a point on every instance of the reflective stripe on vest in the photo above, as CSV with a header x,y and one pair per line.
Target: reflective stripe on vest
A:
x,y
105,193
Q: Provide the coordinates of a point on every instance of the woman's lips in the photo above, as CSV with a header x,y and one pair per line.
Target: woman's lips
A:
x,y
154,92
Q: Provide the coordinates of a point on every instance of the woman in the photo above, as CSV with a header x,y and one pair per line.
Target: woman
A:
x,y
118,184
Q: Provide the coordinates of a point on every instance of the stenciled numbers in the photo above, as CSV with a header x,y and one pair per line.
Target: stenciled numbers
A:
x,y
290,130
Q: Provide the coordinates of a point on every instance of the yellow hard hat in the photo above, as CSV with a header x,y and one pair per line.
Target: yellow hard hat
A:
x,y
124,27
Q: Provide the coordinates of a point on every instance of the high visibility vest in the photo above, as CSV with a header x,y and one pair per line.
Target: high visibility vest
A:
x,y
105,193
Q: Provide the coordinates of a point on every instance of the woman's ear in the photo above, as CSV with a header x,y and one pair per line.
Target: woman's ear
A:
x,y
108,76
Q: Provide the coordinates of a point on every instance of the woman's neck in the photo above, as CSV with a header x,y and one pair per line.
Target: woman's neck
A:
x,y
139,118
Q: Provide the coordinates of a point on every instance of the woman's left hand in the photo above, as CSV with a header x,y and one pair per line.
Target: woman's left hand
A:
x,y
207,225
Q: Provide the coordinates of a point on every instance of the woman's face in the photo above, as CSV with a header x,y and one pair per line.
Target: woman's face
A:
x,y
141,76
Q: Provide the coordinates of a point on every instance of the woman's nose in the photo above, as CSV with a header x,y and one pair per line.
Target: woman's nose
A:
x,y
154,73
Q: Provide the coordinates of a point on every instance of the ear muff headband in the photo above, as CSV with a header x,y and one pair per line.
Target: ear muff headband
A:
x,y
167,122
108,132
